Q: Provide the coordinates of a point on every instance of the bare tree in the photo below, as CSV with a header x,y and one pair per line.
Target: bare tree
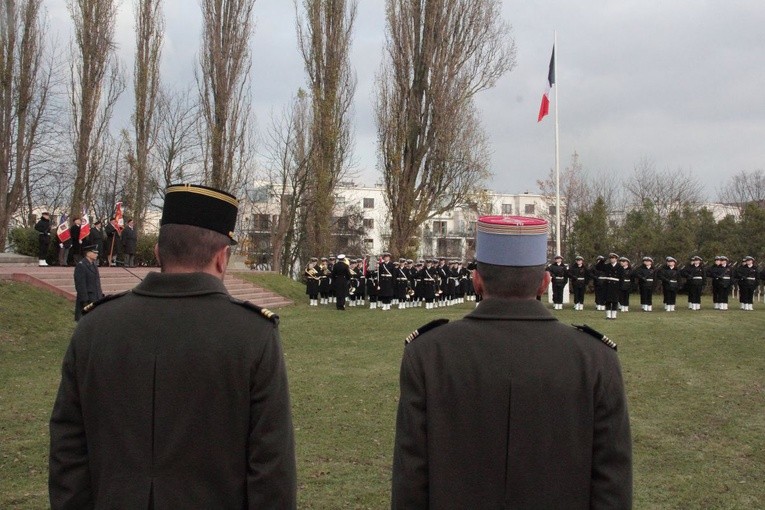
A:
x,y
24,88
668,190
96,83
743,188
433,154
576,193
177,146
288,147
324,35
146,86
224,91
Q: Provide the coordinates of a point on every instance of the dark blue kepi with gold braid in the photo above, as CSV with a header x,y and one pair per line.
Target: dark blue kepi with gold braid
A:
x,y
200,206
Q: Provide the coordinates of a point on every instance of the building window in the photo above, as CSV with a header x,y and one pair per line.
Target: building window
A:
x,y
369,223
369,244
369,203
553,210
529,209
261,222
439,228
507,208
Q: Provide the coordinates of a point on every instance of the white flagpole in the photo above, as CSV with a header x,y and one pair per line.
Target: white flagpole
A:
x,y
557,156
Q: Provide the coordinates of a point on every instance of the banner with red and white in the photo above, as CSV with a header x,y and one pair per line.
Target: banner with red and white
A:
x,y
85,225
544,108
62,231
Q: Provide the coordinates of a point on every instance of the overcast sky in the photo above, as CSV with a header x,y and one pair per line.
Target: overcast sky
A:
x,y
678,82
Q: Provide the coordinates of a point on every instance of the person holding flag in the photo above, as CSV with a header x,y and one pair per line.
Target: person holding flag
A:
x,y
113,232
64,240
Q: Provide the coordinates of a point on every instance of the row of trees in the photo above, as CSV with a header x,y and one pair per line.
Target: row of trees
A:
x,y
438,55
658,213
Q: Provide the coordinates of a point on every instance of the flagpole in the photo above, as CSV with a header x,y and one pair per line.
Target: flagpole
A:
x,y
557,153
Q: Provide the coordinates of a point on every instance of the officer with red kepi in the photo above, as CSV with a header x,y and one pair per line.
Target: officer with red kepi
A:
x,y
494,406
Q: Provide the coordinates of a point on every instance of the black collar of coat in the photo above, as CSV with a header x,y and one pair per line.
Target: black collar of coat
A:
x,y
180,284
511,309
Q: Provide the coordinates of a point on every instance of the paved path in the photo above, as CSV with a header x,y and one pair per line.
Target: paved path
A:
x,y
60,280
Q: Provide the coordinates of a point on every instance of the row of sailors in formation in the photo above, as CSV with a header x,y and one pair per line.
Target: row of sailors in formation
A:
x,y
403,283
614,279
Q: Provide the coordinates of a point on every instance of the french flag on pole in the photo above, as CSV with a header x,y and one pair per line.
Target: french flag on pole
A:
x,y
62,232
544,108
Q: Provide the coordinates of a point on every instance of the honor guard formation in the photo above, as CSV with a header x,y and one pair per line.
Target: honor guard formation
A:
x,y
434,283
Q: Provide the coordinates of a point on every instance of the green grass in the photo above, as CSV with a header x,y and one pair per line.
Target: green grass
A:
x,y
694,383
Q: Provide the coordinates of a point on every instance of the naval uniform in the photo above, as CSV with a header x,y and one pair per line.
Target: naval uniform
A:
x,y
695,277
646,277
578,277
187,407
509,408
670,278
558,276
747,283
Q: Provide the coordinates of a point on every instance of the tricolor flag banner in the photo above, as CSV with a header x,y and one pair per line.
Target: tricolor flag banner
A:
x,y
85,226
62,232
118,223
544,108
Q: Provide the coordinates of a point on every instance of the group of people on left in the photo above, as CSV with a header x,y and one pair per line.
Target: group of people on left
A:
x,y
110,239
431,283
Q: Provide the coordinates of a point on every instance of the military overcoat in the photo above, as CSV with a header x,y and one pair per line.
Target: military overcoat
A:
x,y
175,396
510,409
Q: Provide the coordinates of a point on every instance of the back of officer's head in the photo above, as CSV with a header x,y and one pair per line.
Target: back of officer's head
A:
x,y
515,282
511,252
197,225
188,246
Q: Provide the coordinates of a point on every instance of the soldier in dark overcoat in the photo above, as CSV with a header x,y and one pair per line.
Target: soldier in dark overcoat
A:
x,y
43,228
87,280
578,275
96,237
646,278
341,277
509,408
597,283
129,243
184,402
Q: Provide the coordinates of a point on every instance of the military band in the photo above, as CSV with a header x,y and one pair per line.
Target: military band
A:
x,y
434,283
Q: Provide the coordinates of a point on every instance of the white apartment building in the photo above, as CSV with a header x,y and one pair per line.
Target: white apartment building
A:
x,y
451,234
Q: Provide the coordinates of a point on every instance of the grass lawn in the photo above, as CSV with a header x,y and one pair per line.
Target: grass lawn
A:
x,y
695,384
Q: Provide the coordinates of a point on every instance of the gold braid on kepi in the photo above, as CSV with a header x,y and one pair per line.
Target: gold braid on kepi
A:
x,y
600,336
424,329
200,206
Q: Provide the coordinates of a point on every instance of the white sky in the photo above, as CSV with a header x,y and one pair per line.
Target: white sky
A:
x,y
678,82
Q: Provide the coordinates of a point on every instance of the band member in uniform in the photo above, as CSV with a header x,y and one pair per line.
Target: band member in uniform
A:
x,y
557,272
469,287
325,279
354,282
332,298
577,274
372,287
669,275
695,277
625,286
429,284
646,278
419,288
443,281
341,276
611,275
385,274
312,280
747,274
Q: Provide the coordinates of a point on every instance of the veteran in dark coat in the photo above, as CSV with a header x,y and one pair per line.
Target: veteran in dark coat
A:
x,y
87,280
187,407
509,408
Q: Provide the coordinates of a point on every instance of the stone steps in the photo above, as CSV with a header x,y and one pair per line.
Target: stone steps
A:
x,y
60,280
